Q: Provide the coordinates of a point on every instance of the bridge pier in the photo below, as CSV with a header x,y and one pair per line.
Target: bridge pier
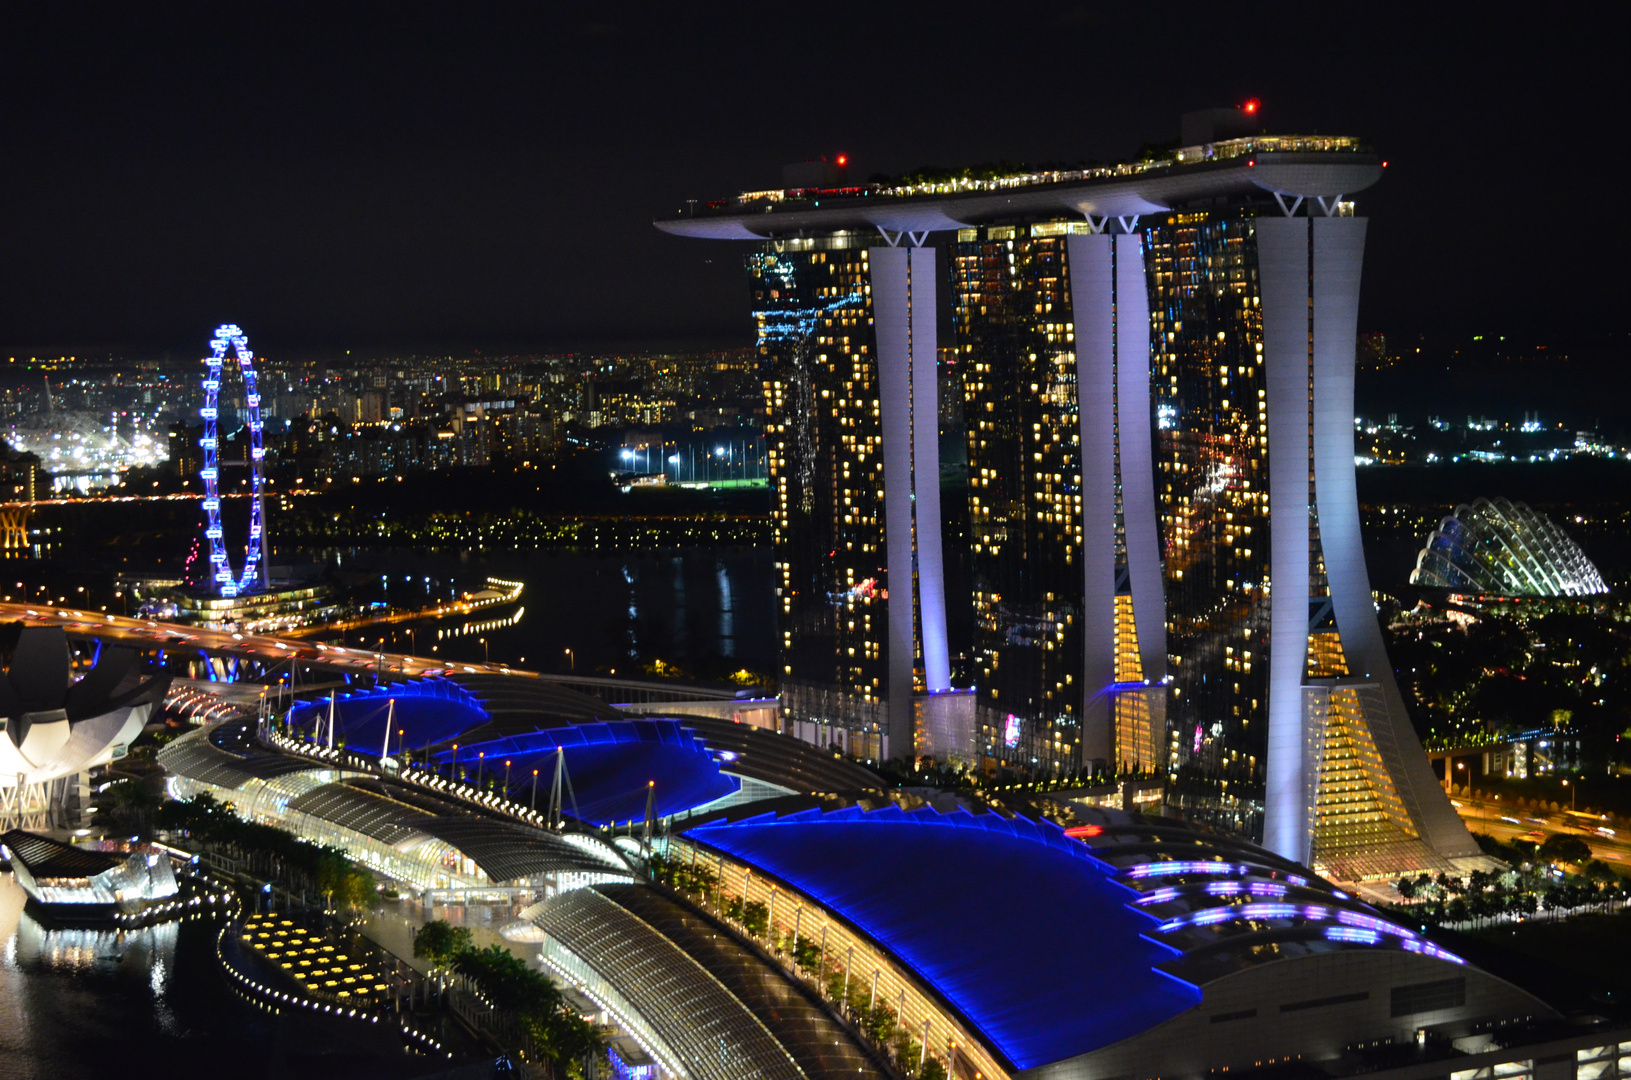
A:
x,y
14,529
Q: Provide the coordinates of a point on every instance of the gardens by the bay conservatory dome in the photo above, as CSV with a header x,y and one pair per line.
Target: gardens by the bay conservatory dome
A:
x,y
1497,547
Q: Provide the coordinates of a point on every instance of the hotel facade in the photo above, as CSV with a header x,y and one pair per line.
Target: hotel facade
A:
x,y
1156,364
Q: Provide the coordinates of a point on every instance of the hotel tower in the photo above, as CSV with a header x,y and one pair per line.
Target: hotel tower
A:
x,y
1156,363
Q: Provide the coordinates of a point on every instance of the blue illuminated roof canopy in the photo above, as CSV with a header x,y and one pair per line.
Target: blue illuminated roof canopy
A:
x,y
1018,927
609,766
425,712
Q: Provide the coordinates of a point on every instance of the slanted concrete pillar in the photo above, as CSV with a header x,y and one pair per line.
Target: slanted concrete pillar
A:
x,y
1283,273
1092,299
903,303
1111,311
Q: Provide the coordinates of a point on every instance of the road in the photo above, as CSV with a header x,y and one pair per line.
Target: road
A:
x,y
180,496
148,634
1502,820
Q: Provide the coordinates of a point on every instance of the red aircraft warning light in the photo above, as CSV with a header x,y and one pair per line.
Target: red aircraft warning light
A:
x,y
1252,105
843,159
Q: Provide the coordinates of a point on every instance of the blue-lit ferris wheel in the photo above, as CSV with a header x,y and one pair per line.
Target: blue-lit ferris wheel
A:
x,y
221,576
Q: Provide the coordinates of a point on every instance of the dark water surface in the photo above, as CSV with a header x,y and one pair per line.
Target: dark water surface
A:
x,y
708,610
83,1004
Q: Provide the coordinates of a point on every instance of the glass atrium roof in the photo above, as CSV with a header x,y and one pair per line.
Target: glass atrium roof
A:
x,y
1501,548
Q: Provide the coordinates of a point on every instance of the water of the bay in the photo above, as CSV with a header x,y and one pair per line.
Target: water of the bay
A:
x,y
710,611
87,1004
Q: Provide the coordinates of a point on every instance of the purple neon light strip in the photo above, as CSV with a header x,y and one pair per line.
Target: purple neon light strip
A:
x,y
1168,869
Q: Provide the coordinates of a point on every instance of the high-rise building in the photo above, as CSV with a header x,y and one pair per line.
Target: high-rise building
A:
x,y
846,338
1154,590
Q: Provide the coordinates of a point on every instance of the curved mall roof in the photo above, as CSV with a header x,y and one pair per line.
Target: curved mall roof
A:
x,y
610,758
1219,899
1501,548
521,706
699,995
1071,920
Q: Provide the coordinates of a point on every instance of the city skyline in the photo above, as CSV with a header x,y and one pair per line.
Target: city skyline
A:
x,y
1129,496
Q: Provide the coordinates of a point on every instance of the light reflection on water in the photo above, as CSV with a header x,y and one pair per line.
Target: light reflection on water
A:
x,y
89,1004
693,606
64,992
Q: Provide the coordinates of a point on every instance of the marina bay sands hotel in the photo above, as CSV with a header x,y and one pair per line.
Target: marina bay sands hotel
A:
x,y
1155,363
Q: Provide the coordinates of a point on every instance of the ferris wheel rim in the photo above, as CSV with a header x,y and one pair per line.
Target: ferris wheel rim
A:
x,y
222,580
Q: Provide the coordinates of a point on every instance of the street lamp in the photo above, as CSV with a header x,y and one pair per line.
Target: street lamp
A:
x,y
506,777
486,653
571,661
1572,789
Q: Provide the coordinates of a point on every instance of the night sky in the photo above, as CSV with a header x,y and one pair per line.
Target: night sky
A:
x,y
394,177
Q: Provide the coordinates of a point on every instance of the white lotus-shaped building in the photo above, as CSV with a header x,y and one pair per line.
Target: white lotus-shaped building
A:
x,y
53,727
1501,548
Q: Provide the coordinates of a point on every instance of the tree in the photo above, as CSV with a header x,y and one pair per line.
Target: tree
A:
x,y
907,1051
835,982
878,1023
756,918
441,943
568,1039
1598,870
508,983
510,986
134,804
1561,847
1407,888
806,953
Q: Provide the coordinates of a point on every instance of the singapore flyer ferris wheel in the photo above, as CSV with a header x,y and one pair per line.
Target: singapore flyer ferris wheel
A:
x,y
222,578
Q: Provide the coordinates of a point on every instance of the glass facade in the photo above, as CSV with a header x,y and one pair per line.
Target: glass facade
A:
x,y
813,310
1211,489
1011,310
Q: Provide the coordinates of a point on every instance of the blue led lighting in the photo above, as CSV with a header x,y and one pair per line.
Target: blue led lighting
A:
x,y
1354,920
1178,866
610,766
1352,936
1429,949
796,324
883,870
226,583
427,711
1371,922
